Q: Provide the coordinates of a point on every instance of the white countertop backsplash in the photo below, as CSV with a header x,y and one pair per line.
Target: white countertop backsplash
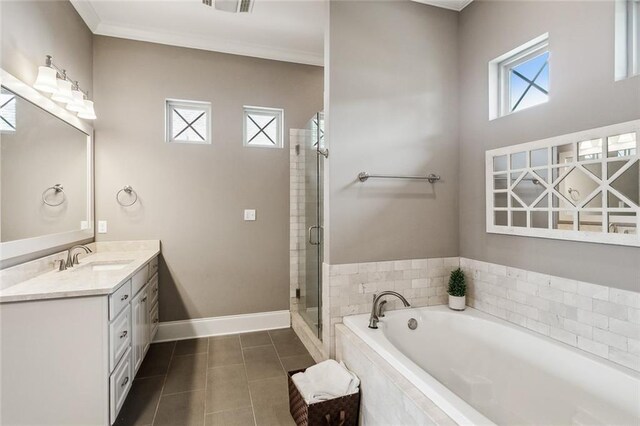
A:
x,y
40,279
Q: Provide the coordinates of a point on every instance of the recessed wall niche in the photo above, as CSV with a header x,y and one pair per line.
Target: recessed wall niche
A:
x,y
582,186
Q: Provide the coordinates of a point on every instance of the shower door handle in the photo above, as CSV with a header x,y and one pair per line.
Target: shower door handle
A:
x,y
309,233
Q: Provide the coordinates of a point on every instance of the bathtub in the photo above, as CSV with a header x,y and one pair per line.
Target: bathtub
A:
x,y
482,370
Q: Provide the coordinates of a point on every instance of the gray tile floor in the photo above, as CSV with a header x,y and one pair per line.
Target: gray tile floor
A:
x,y
227,380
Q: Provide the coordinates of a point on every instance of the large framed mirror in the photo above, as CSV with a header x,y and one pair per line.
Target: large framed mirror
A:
x,y
46,172
582,186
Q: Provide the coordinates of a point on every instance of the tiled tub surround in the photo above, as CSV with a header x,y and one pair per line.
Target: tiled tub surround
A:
x,y
480,369
351,287
601,320
388,397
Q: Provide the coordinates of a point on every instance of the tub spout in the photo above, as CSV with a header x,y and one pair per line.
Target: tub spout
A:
x,y
373,320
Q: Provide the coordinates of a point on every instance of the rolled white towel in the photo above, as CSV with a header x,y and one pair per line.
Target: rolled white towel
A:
x,y
326,380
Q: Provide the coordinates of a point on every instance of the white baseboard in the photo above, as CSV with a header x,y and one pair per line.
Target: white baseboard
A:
x,y
219,326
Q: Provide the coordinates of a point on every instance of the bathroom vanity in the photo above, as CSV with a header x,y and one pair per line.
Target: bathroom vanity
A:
x,y
73,340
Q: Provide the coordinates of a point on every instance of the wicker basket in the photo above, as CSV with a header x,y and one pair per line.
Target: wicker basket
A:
x,y
342,411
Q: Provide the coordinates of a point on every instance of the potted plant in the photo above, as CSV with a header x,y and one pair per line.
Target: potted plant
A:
x,y
457,290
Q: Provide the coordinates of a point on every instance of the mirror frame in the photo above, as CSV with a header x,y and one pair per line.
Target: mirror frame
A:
x,y
572,139
13,249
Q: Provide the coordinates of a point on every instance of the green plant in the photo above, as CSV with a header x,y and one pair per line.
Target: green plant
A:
x,y
457,285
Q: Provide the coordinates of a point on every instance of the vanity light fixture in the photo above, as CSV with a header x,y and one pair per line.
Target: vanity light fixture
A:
x,y
88,113
53,79
46,81
77,99
64,90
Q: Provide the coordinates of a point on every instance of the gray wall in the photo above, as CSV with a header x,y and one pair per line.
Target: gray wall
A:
x,y
392,108
583,96
192,196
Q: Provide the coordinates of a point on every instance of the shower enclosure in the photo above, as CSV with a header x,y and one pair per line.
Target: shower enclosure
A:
x,y
313,151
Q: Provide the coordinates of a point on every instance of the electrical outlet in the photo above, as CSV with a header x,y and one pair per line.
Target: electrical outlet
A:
x,y
249,214
102,227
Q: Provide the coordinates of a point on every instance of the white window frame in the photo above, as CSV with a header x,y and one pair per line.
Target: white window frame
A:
x,y
581,208
499,68
15,121
191,105
277,112
627,39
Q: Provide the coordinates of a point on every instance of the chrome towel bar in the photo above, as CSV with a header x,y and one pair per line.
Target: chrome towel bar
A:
x,y
363,176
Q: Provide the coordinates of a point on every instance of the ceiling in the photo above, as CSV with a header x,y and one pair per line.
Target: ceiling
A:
x,y
284,30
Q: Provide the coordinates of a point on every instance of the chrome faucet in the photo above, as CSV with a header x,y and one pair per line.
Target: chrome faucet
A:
x,y
376,309
72,259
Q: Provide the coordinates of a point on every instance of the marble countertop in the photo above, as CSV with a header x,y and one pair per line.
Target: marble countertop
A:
x,y
82,280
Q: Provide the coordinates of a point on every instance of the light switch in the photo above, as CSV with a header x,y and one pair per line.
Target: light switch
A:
x,y
102,227
249,214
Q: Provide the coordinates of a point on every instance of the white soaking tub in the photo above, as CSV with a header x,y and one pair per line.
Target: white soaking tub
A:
x,y
482,370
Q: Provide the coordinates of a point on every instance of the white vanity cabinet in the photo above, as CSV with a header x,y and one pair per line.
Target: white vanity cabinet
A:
x,y
71,360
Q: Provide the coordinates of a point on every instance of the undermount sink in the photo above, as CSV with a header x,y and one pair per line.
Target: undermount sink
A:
x,y
105,265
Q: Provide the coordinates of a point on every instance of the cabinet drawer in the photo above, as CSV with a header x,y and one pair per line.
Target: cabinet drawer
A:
x,y
154,321
119,299
153,266
140,279
153,290
119,337
119,385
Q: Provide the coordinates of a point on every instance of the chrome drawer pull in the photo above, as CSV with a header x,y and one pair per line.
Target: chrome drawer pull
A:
x,y
144,299
125,297
124,334
126,380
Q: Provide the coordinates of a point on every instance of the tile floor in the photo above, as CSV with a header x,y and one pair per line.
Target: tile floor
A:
x,y
226,380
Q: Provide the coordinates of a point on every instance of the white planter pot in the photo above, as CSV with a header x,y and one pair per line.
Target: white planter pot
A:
x,y
457,303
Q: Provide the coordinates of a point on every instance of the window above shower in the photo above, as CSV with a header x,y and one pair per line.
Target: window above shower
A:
x,y
582,186
519,79
188,121
262,127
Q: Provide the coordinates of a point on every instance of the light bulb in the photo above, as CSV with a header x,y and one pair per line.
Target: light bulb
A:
x,y
77,101
46,81
88,113
63,94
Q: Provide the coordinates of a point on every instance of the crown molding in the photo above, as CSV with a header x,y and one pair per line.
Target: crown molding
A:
x,y
87,13
456,5
99,27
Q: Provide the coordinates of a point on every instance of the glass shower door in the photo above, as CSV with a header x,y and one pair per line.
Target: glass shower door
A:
x,y
311,283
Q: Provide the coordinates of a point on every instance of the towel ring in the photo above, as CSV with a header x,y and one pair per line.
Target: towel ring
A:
x,y
57,188
129,190
572,192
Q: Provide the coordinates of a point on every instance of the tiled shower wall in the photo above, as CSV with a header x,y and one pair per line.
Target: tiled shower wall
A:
x,y
297,215
349,288
601,320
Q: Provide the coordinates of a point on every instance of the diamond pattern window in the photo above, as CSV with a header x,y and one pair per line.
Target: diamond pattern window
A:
x,y
188,121
7,111
263,127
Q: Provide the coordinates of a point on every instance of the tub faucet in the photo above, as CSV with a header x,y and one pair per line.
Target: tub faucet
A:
x,y
375,309
73,260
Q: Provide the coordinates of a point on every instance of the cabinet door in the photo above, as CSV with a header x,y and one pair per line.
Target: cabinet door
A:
x,y
140,316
